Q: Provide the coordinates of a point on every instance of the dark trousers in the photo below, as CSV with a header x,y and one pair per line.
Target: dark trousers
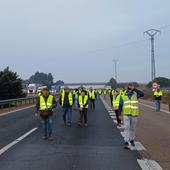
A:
x,y
83,116
158,105
67,114
118,116
47,123
92,104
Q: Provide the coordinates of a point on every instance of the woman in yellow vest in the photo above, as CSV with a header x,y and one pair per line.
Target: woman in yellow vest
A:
x,y
158,97
83,105
45,105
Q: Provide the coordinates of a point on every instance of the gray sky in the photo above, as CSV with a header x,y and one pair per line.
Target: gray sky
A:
x,y
76,40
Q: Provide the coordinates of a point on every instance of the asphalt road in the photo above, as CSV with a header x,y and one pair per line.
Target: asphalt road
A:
x,y
97,147
154,133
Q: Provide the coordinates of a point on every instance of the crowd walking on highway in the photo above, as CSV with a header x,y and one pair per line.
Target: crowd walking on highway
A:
x,y
125,103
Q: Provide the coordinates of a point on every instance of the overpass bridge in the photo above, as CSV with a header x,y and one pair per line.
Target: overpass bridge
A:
x,y
96,85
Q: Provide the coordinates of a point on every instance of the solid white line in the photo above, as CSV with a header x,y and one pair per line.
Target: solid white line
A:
x,y
3,114
151,107
146,164
4,149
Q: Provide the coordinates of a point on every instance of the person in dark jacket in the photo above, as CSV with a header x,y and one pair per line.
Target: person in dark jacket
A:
x,y
45,105
66,101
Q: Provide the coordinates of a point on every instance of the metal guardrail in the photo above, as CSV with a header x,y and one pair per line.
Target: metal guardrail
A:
x,y
12,103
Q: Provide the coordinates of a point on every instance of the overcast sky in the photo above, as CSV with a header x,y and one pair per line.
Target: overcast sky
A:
x,y
76,40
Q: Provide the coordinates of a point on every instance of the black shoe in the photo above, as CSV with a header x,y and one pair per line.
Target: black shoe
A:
x,y
126,145
45,137
119,125
132,142
80,124
50,138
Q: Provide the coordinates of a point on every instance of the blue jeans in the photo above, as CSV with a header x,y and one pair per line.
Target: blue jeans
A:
x,y
47,123
158,105
67,114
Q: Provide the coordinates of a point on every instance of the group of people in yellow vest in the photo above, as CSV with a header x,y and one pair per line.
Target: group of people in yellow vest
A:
x,y
124,102
78,99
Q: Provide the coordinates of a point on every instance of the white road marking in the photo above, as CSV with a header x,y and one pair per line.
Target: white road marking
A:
x,y
151,107
111,114
111,111
3,114
139,146
113,117
146,164
4,149
115,121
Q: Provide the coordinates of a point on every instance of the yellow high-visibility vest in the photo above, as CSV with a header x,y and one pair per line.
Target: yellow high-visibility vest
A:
x,y
83,102
131,106
116,101
46,105
92,94
70,98
158,94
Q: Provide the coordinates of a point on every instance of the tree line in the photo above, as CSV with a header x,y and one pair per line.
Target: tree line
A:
x,y
11,85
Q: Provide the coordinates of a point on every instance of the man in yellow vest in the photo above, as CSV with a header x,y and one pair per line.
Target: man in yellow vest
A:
x,y
66,101
131,111
83,105
45,105
158,97
92,98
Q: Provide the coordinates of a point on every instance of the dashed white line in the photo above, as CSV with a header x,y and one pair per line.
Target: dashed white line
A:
x,y
4,149
112,114
113,117
146,164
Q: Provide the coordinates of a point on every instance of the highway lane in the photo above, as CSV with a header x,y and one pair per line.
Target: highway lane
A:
x,y
16,124
154,133
97,147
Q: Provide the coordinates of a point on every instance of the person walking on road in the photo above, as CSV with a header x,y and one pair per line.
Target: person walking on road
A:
x,y
83,105
92,98
130,113
116,105
158,97
66,101
45,105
